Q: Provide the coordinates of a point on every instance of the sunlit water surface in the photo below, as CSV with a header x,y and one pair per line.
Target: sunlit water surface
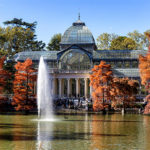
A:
x,y
75,132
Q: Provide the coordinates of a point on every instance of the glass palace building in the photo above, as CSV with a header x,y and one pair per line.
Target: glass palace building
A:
x,y
70,67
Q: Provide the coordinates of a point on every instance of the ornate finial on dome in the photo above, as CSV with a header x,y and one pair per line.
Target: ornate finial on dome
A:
x,y
79,22
79,16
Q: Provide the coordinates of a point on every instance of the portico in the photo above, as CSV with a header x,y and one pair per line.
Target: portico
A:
x,y
59,89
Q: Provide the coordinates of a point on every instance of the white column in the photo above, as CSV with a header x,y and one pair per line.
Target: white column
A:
x,y
51,86
85,87
54,87
91,90
77,87
60,87
68,87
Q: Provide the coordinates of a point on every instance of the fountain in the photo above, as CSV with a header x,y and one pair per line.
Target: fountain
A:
x,y
44,93
44,135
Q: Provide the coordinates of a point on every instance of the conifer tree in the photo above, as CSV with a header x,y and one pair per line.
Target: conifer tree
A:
x,y
144,66
23,86
101,80
123,91
4,75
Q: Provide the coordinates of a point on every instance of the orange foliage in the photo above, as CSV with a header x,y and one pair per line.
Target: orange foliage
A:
x,y
100,80
109,90
3,78
144,67
23,85
123,91
147,107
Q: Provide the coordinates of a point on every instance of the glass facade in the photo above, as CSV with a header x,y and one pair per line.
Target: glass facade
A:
x,y
77,34
118,54
75,60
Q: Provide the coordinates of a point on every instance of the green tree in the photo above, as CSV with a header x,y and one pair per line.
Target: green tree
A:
x,y
19,36
19,23
123,43
53,45
147,35
139,38
104,40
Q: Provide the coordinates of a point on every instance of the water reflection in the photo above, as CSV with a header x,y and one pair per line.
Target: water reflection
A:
x,y
88,132
120,132
15,132
146,142
44,135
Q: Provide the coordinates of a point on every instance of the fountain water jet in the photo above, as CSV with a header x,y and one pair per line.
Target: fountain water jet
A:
x,y
44,92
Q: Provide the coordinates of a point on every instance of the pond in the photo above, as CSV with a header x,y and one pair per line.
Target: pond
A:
x,y
75,132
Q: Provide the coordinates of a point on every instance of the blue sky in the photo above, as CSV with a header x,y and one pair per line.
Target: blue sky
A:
x,y
55,16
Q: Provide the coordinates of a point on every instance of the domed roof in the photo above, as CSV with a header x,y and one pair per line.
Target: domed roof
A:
x,y
78,33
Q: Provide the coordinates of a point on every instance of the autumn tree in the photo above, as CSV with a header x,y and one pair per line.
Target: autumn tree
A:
x,y
4,76
101,80
23,86
9,67
123,91
111,90
144,67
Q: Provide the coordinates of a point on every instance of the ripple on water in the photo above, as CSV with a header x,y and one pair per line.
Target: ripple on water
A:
x,y
46,120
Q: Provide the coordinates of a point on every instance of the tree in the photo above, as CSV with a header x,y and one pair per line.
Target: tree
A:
x,y
147,34
144,67
139,38
4,76
19,36
100,80
19,23
104,40
108,89
9,67
123,91
53,45
123,43
23,86
3,52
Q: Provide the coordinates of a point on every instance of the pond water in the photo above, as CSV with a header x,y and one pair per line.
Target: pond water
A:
x,y
75,132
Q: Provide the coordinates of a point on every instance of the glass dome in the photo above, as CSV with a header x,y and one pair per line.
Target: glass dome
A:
x,y
74,59
78,33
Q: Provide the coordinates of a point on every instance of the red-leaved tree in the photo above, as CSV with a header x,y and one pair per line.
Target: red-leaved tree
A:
x,y
23,86
124,91
144,67
101,81
3,79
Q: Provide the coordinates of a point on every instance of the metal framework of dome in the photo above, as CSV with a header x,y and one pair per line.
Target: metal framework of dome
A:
x,y
78,33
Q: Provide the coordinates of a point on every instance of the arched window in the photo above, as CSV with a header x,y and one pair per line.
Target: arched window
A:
x,y
75,60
